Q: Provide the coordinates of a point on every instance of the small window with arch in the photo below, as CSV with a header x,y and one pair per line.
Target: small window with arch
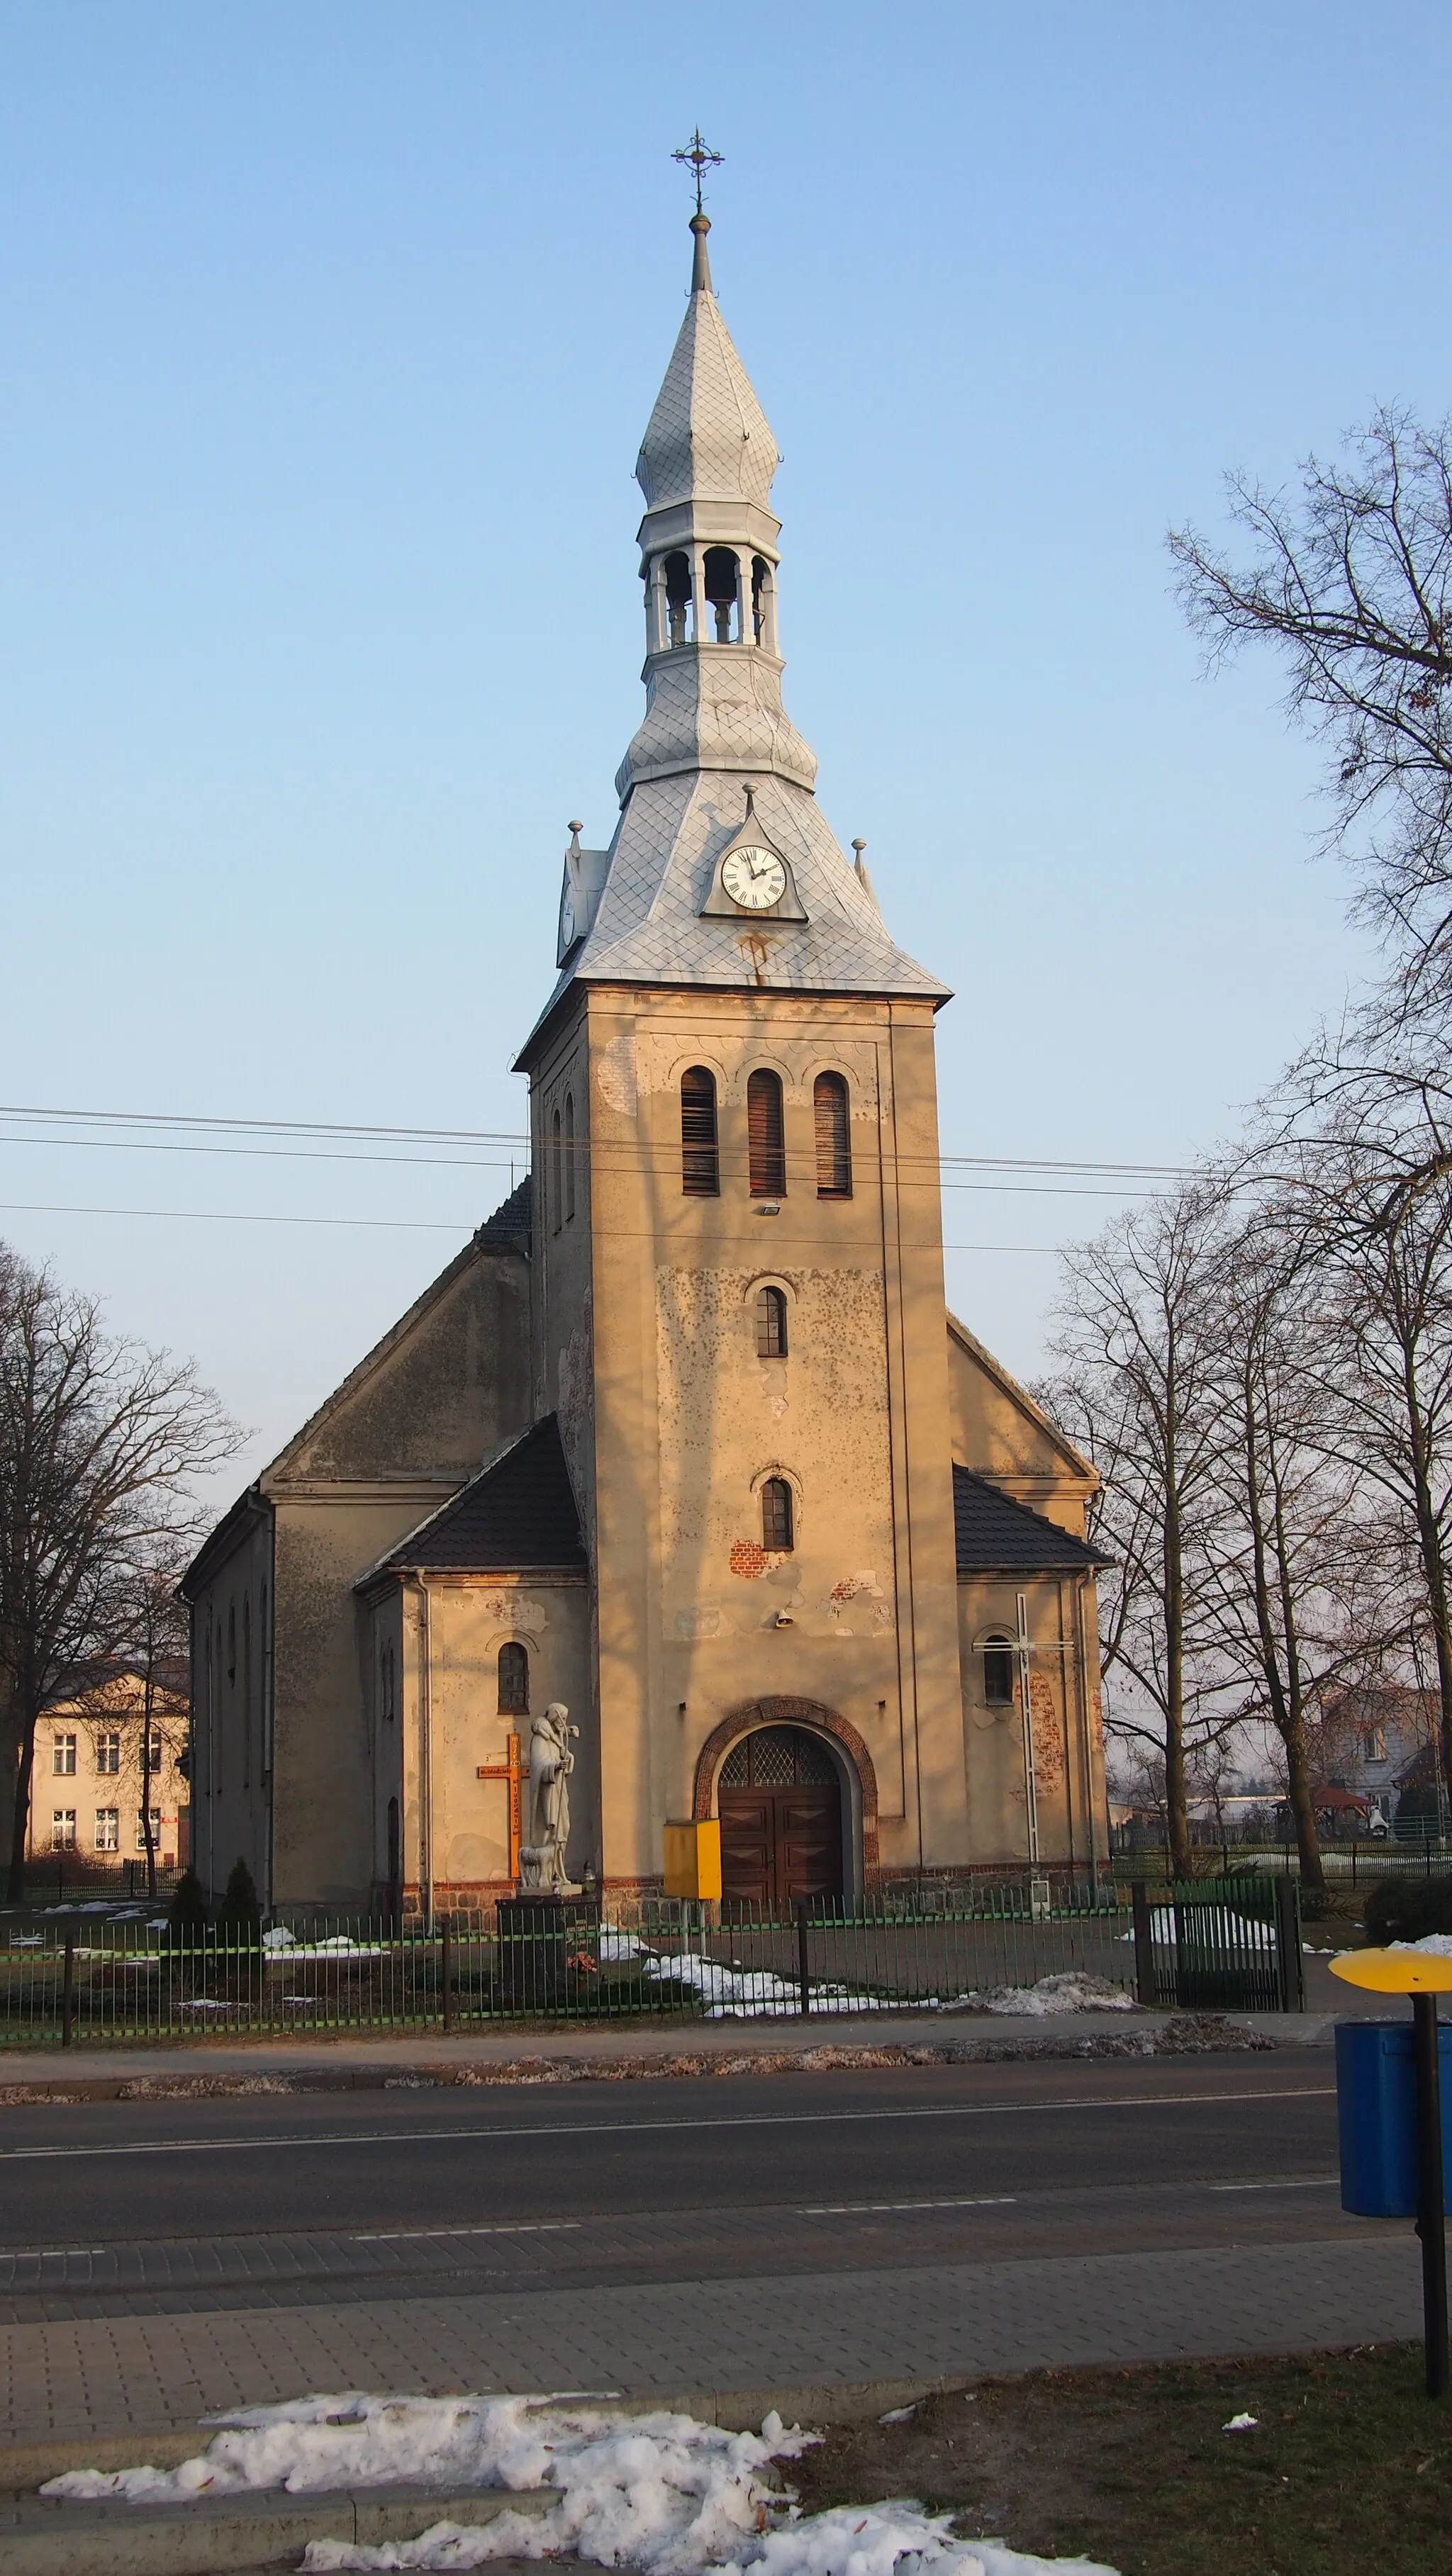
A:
x,y
556,1191
700,1153
833,1136
777,1515
998,1662
513,1679
766,1135
569,1158
771,1324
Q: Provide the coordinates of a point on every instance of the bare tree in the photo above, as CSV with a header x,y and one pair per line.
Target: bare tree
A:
x,y
1135,1342
1298,1567
1352,579
100,1441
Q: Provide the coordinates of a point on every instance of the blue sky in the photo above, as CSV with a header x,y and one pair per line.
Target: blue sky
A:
x,y
331,329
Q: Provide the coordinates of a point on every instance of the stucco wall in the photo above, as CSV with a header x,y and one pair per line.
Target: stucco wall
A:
x,y
1068,1767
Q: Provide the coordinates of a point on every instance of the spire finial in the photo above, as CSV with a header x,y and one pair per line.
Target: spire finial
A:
x,y
698,156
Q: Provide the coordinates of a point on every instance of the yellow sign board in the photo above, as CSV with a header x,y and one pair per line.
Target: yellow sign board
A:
x,y
1395,1972
693,1859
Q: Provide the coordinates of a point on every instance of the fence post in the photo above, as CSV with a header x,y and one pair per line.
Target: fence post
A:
x,y
1144,1948
446,1974
1288,1945
803,1977
68,1992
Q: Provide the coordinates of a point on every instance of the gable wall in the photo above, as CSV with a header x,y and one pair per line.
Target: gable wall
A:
x,y
998,1434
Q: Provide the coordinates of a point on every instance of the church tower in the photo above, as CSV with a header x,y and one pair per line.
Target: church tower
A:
x,y
684,1439
737,1242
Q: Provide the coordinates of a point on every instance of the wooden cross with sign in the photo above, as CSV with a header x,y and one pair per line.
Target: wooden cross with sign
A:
x,y
512,1770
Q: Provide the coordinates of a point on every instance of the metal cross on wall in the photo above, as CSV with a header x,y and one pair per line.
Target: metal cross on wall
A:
x,y
512,1770
699,155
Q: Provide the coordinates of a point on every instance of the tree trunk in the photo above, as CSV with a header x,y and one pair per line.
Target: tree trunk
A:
x,y
20,1817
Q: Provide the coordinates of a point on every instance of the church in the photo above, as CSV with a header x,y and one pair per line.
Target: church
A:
x,y
685,1441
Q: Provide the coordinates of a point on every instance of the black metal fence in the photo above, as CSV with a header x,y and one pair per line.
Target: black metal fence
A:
x,y
1207,1945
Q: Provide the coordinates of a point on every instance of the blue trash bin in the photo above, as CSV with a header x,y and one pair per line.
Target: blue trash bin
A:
x,y
1376,2111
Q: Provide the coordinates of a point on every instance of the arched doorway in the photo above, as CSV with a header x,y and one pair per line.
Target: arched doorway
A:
x,y
779,1799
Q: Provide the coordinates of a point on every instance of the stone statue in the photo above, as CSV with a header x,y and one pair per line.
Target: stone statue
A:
x,y
542,1862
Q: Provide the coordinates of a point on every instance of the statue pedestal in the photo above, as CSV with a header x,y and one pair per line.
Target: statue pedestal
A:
x,y
549,1949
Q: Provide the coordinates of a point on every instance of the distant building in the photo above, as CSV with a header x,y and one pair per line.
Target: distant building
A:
x,y
92,1757
1369,1735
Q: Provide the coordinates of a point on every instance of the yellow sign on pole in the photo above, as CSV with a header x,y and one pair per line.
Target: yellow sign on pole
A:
x,y
1395,1972
693,1859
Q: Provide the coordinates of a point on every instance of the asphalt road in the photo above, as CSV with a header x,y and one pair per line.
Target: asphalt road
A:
x,y
160,2207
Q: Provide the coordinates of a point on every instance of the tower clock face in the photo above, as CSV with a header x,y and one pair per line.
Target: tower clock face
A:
x,y
567,915
754,878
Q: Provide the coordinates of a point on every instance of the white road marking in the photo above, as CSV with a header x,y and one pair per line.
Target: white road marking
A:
x,y
870,2208
1301,2182
513,2227
298,2141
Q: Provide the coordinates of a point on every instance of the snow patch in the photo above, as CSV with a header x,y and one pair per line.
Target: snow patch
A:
x,y
1073,1990
660,2493
1438,1945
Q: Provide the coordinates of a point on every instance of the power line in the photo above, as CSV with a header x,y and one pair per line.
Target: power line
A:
x,y
404,1225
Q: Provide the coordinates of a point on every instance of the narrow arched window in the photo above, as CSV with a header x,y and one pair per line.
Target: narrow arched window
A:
x,y
569,1157
678,597
700,1156
556,1193
723,578
834,1137
776,1513
998,1672
766,1137
771,1324
513,1680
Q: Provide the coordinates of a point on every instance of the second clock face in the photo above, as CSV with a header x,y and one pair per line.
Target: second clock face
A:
x,y
754,878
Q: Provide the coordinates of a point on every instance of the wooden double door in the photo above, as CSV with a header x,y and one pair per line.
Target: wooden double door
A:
x,y
781,1819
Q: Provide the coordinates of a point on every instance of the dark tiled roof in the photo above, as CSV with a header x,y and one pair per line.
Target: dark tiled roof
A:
x,y
518,1515
996,1535
510,1223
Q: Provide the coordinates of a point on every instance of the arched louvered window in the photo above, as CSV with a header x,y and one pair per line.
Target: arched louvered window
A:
x,y
766,1136
998,1672
569,1157
556,1188
700,1156
834,1137
771,1324
513,1680
776,1513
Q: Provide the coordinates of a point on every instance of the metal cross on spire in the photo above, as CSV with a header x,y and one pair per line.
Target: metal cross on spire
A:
x,y
699,155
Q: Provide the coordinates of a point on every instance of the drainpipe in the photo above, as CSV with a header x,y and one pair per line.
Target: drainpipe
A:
x,y
425,1759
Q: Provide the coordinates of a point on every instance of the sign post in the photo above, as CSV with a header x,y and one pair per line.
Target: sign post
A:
x,y
1422,1975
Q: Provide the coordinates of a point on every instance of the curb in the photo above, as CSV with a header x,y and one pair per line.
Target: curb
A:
x,y
1133,2036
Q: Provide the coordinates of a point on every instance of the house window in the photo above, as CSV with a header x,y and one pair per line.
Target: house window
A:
x,y
834,1139
63,1756
155,1829
766,1137
556,1193
151,1752
771,1324
569,1158
108,1752
108,1829
776,1513
63,1829
998,1672
513,1680
1373,1744
700,1157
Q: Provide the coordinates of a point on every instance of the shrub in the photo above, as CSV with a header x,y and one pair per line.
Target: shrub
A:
x,y
239,1916
188,1917
1405,1909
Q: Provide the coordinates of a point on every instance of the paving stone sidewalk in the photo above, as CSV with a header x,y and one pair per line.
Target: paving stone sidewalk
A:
x,y
137,2376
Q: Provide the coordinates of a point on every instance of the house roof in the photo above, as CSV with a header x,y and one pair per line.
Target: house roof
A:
x,y
517,1516
996,1535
